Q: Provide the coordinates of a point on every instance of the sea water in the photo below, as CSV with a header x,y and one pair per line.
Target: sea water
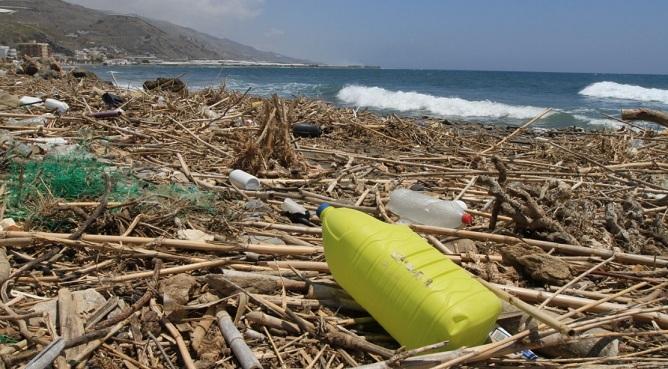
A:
x,y
578,99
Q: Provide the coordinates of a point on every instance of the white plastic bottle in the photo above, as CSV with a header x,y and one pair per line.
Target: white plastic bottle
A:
x,y
53,104
417,208
244,180
29,100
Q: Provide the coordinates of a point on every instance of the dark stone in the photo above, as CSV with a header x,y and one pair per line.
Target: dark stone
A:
x,y
82,73
418,187
306,130
30,68
165,84
49,74
113,101
536,263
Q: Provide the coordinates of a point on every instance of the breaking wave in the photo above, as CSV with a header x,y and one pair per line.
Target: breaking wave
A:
x,y
285,89
608,123
380,98
616,90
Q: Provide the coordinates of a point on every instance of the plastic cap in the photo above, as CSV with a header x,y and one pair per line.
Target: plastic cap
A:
x,y
322,208
467,218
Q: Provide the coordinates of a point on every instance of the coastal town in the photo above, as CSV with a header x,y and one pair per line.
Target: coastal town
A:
x,y
103,55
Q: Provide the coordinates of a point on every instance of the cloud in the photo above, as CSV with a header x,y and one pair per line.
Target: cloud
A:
x,y
183,11
274,33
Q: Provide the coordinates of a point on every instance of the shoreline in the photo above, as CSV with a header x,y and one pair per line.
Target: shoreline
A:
x,y
417,116
230,63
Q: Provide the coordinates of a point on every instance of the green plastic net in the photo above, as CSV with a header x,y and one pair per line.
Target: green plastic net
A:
x,y
77,176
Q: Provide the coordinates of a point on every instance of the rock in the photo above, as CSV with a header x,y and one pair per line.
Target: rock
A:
x,y
8,224
306,129
82,73
461,246
87,301
8,101
150,322
256,205
418,187
165,84
536,263
5,267
592,347
49,74
112,101
30,66
194,235
255,239
176,293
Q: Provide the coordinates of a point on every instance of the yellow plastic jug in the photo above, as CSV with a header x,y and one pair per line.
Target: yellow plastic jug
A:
x,y
416,293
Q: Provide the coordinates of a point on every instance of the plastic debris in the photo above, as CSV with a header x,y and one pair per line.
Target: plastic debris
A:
x,y
416,207
57,105
244,181
306,130
390,270
194,235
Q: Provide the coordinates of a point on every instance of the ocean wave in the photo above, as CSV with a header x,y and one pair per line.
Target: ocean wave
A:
x,y
380,98
607,89
280,88
609,123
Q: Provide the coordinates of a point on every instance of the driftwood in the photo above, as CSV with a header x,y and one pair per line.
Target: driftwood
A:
x,y
649,115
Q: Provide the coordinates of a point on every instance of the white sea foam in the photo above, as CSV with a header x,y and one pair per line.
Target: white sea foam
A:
x,y
283,89
616,90
599,121
380,98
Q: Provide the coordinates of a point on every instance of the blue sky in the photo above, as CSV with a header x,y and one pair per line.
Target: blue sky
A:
x,y
526,35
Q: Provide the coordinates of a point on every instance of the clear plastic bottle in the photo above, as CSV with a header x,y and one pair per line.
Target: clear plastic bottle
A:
x,y
290,206
417,208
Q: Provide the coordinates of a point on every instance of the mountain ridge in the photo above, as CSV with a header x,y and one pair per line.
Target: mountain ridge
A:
x,y
69,27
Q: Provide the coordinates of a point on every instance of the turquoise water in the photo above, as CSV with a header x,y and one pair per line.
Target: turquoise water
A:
x,y
491,97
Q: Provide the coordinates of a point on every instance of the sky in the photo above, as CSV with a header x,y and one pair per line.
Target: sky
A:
x,y
606,36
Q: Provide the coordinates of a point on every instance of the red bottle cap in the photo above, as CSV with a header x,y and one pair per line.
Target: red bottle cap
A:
x,y
467,218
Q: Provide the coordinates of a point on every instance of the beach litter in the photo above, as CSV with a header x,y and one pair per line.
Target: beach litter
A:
x,y
176,235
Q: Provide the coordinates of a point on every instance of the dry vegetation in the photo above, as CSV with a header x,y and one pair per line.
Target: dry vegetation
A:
x,y
574,223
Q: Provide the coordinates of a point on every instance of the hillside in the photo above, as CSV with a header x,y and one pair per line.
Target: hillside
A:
x,y
69,27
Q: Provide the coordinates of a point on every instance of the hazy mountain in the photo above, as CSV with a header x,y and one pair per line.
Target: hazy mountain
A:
x,y
68,27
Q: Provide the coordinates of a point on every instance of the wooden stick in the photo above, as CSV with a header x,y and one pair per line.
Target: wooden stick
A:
x,y
542,316
545,245
235,340
173,270
516,132
578,302
655,261
180,244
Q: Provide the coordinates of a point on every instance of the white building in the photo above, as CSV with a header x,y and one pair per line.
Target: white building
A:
x,y
4,52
